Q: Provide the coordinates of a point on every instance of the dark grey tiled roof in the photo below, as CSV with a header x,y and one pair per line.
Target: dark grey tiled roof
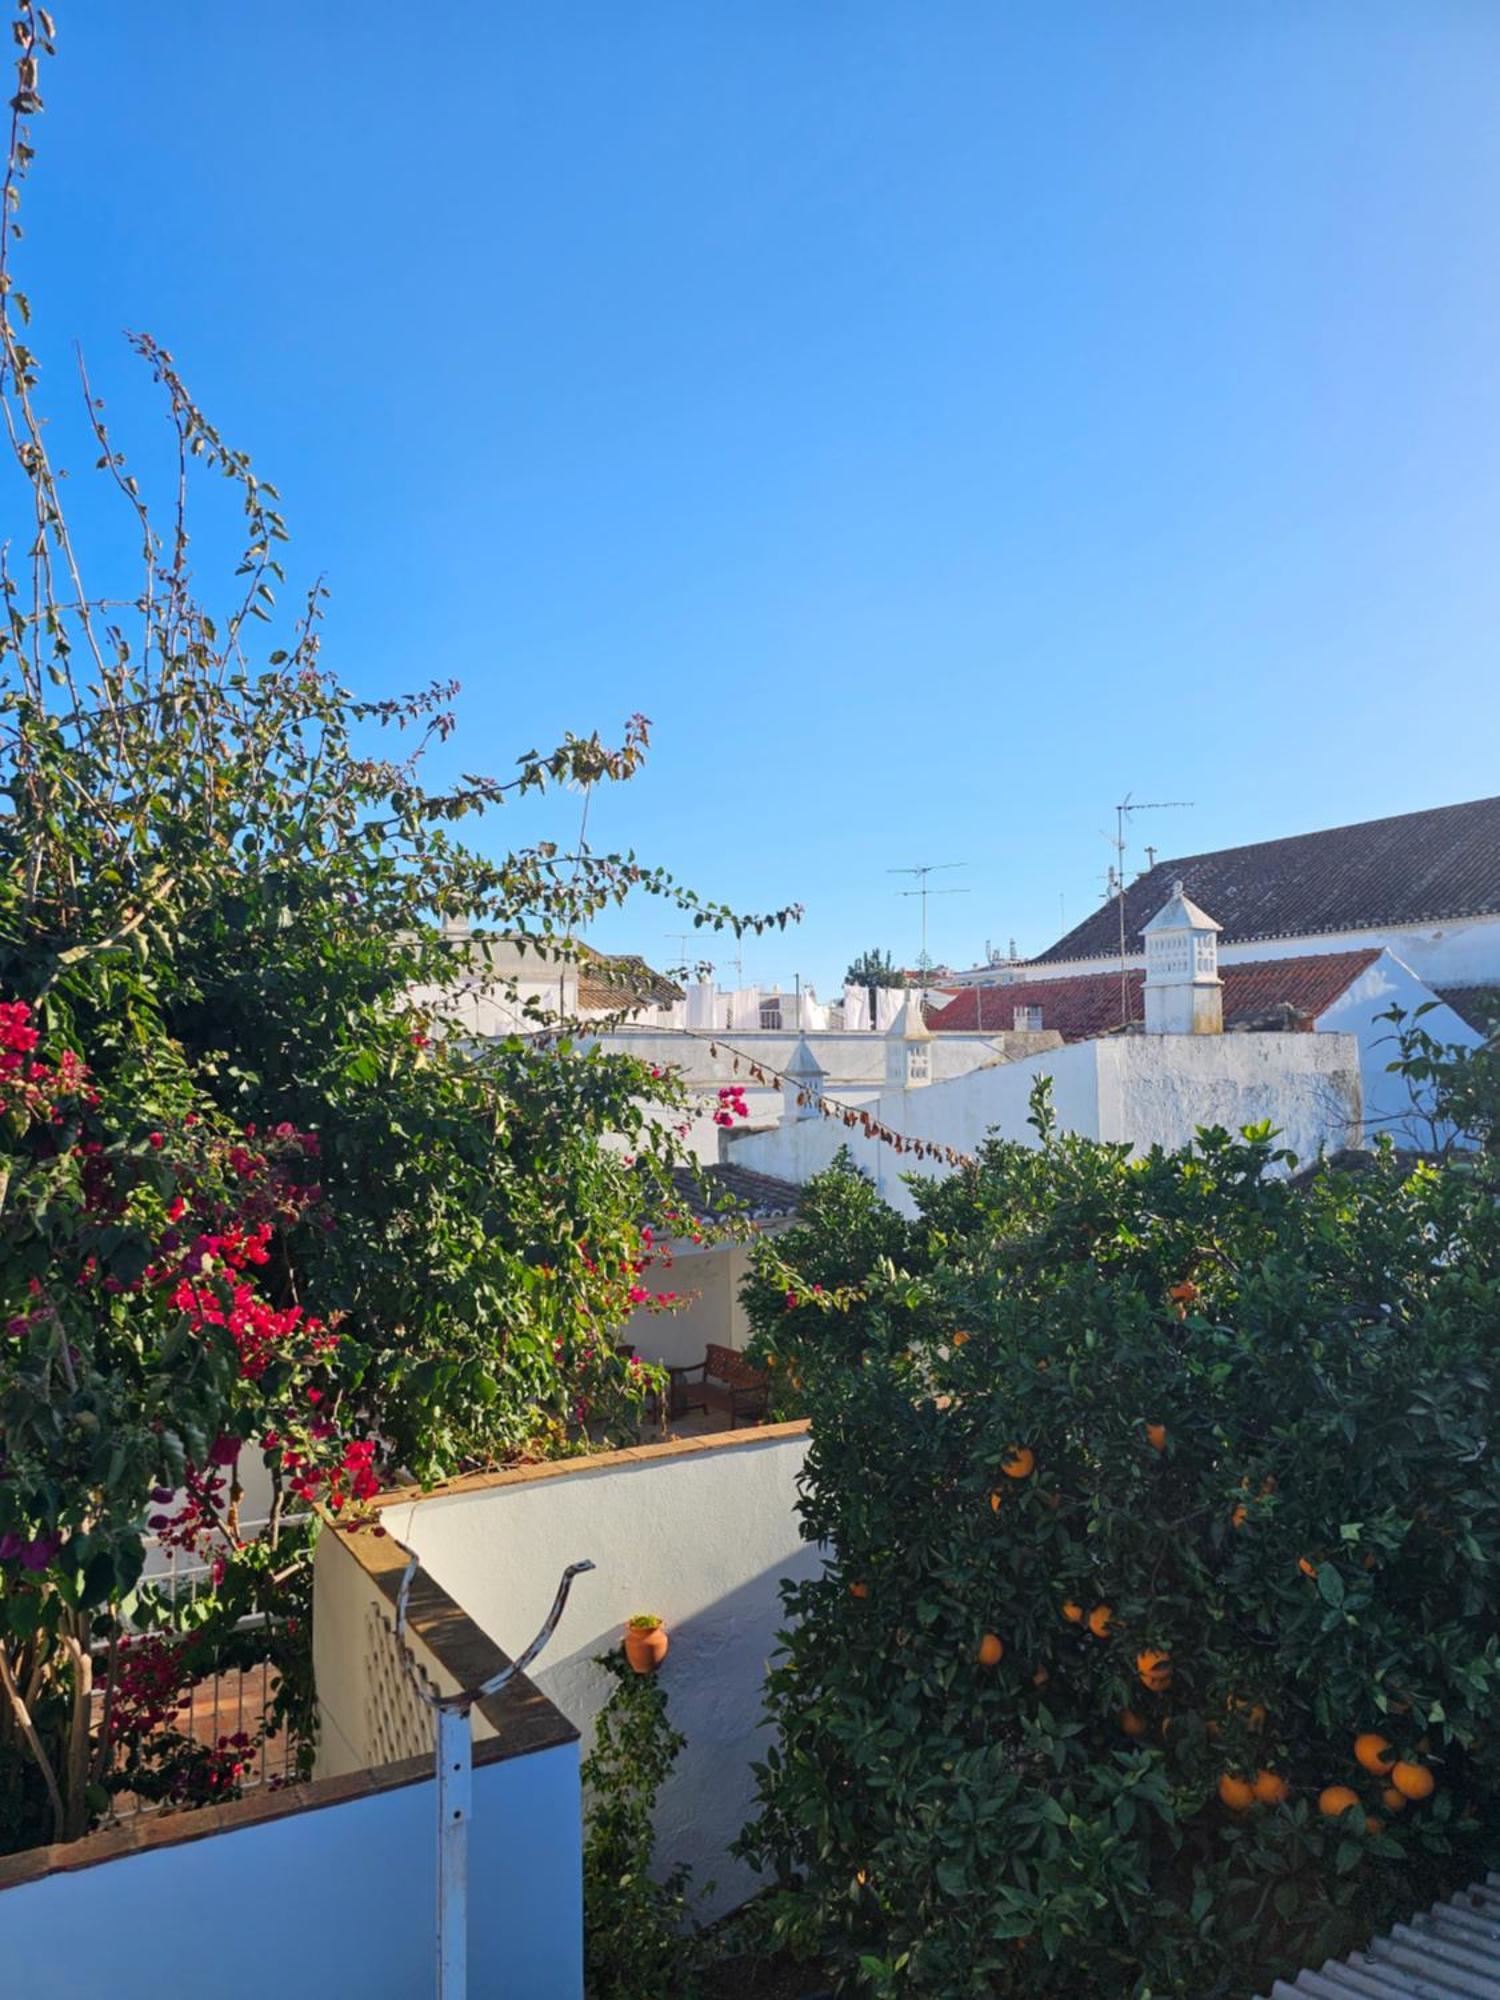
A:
x,y
1416,868
728,1190
1478,1005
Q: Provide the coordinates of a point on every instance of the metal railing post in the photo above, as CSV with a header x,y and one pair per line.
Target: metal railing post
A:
x,y
454,1766
455,1789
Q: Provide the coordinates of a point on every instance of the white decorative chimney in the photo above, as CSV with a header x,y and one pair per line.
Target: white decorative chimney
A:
x,y
802,1084
1183,992
908,1047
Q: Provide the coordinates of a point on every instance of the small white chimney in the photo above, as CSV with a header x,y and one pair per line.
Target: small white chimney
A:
x,y
1027,1020
1183,992
802,1084
908,1047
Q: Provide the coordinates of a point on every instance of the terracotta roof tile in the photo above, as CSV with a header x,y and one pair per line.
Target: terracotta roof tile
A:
x,y
609,985
1087,1004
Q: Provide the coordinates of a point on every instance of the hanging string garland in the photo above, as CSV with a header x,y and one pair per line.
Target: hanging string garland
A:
x,y
850,1115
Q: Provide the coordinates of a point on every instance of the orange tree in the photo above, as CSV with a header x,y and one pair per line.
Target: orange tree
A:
x,y
1157,1647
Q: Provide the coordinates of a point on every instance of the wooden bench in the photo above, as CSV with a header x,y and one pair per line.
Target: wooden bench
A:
x,y
722,1380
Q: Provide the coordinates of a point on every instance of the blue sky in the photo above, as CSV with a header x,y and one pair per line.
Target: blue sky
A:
x,y
940,418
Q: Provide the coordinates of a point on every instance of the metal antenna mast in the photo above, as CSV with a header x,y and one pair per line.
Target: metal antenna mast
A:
x,y
685,938
922,870
1123,810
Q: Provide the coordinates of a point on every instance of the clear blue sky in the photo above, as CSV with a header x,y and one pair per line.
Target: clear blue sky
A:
x,y
940,418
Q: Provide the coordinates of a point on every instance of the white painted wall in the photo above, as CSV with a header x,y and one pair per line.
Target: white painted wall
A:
x,y
335,1901
853,1064
702,1537
1157,1090
713,1274
1144,1089
1390,983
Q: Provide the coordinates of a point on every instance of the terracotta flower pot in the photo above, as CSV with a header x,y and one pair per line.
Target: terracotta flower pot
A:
x,y
645,1650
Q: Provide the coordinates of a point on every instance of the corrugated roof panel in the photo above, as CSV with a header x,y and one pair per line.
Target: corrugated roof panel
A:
x,y
1450,1952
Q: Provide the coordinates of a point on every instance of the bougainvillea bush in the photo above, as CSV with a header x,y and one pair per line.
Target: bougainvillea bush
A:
x,y
141,1354
258,1203
1159,1647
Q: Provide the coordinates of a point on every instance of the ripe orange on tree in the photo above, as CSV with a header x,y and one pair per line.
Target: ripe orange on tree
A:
x,y
1373,1753
1237,1793
1155,1669
1413,1781
991,1650
1100,1620
1239,1517
1336,1799
1072,1612
1018,1462
1307,1568
1271,1788
859,1590
1131,1723
995,1503
1156,1436
1393,1800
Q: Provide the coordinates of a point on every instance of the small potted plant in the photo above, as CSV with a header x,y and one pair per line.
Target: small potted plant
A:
x,y
645,1642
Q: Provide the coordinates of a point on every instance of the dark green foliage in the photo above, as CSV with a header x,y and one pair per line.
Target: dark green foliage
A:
x,y
1455,1087
634,1948
874,968
1328,1365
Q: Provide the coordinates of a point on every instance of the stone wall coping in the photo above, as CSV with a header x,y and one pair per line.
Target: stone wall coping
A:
x,y
666,1452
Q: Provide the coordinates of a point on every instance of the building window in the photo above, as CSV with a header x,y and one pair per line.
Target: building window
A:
x,y
770,1014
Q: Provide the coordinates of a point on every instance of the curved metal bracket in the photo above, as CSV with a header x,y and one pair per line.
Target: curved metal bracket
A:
x,y
465,1699
453,1768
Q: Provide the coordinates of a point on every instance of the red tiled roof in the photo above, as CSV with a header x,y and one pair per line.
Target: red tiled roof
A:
x,y
1415,868
1088,1004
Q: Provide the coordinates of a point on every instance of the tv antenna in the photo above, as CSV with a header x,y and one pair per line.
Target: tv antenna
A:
x,y
922,870
1123,810
687,966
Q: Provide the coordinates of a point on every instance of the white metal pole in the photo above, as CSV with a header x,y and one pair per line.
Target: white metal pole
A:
x,y
455,1788
455,1780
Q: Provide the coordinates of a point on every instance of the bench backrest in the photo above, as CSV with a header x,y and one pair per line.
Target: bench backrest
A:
x,y
727,1364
